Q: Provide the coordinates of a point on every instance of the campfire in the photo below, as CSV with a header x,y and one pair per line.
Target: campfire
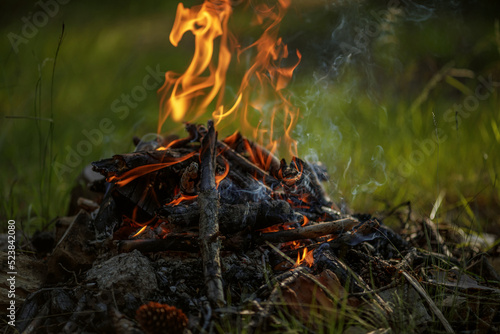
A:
x,y
185,232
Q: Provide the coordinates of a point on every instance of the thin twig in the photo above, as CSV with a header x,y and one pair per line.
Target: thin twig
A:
x,y
208,201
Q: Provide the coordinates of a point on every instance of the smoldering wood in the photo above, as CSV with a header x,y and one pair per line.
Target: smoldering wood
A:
x,y
193,136
320,170
308,184
315,186
122,163
144,193
320,214
208,199
241,179
174,242
234,217
311,231
241,145
238,162
182,242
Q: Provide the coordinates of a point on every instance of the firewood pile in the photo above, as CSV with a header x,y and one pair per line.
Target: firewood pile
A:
x,y
188,234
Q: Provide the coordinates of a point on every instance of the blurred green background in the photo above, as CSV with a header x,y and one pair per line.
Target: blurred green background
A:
x,y
398,102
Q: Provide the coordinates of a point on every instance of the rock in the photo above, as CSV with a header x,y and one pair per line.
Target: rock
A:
x,y
127,273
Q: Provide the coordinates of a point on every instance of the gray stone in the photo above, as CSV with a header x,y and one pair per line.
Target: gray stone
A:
x,y
126,273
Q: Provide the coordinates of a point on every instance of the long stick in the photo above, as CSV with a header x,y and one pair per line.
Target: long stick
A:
x,y
311,232
208,200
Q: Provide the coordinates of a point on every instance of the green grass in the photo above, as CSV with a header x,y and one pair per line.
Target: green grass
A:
x,y
363,124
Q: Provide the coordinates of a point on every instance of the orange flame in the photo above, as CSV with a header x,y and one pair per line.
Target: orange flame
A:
x,y
230,140
260,98
181,199
258,157
306,256
193,90
140,231
292,180
306,221
219,178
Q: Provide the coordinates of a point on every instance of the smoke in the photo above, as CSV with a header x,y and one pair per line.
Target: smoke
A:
x,y
361,37
378,172
352,51
232,194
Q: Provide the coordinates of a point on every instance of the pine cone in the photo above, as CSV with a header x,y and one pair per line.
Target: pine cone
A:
x,y
161,318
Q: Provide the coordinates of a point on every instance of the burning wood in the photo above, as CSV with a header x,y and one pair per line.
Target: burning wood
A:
x,y
257,204
230,211
201,222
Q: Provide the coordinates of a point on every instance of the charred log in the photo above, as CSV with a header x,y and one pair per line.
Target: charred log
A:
x,y
175,242
121,163
234,217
